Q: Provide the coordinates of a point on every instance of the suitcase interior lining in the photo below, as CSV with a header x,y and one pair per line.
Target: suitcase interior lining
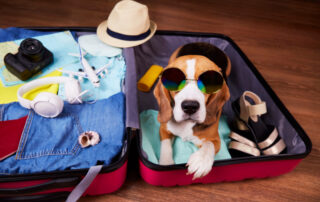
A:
x,y
159,49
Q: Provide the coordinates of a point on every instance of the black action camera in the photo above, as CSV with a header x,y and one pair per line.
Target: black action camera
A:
x,y
32,56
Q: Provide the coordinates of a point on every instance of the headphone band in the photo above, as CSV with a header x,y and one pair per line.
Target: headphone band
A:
x,y
39,82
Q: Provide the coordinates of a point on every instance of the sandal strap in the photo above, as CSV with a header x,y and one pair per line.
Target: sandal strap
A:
x,y
248,110
257,109
244,148
275,149
270,140
242,139
241,125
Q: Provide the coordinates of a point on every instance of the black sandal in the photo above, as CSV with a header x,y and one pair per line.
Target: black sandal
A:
x,y
252,132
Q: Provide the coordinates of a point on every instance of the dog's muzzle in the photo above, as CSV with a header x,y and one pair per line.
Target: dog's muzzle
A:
x,y
190,106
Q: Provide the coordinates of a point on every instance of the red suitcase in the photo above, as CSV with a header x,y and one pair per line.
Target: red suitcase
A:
x,y
57,185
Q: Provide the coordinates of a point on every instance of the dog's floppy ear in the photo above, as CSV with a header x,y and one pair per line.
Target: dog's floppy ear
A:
x,y
215,103
163,98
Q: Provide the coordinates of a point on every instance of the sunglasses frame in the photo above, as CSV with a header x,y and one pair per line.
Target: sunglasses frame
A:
x,y
160,77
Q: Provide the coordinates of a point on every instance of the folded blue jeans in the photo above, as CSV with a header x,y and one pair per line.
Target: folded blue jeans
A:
x,y
51,144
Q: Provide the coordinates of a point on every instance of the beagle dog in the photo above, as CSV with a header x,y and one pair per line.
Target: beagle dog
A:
x,y
187,111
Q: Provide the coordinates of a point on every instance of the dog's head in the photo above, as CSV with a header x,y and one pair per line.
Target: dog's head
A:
x,y
190,103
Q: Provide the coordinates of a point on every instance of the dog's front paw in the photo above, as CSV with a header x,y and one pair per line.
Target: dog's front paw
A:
x,y
200,163
166,160
166,153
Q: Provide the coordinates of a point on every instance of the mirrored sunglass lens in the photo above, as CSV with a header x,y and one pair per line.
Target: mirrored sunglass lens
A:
x,y
210,82
173,79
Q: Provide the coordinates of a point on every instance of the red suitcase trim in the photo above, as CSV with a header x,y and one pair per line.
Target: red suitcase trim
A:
x,y
219,173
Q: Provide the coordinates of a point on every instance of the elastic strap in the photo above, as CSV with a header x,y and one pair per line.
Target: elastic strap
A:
x,y
244,148
84,184
257,109
248,110
241,125
270,140
275,149
242,139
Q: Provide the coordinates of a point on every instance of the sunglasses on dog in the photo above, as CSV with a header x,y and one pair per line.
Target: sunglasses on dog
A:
x,y
208,82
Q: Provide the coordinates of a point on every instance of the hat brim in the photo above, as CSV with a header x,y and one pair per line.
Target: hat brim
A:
x,y
106,38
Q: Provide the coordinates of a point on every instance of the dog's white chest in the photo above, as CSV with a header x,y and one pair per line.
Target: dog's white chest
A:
x,y
184,131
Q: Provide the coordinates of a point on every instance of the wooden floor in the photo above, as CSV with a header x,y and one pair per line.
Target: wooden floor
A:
x,y
282,39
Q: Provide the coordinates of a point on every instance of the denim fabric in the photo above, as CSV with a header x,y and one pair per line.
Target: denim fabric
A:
x,y
52,144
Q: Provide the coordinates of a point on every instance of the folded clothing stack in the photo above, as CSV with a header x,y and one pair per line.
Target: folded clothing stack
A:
x,y
46,145
52,144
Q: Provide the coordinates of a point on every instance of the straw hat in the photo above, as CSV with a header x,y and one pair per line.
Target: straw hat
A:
x,y
127,25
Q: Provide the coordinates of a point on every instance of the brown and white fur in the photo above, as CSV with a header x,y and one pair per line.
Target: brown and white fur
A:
x,y
200,127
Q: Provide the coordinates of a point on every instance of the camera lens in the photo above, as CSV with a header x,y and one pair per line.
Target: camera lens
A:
x,y
32,49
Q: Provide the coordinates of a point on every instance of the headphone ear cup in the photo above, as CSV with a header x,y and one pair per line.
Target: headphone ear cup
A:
x,y
47,105
72,91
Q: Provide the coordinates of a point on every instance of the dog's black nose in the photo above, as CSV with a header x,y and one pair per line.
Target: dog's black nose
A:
x,y
190,106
